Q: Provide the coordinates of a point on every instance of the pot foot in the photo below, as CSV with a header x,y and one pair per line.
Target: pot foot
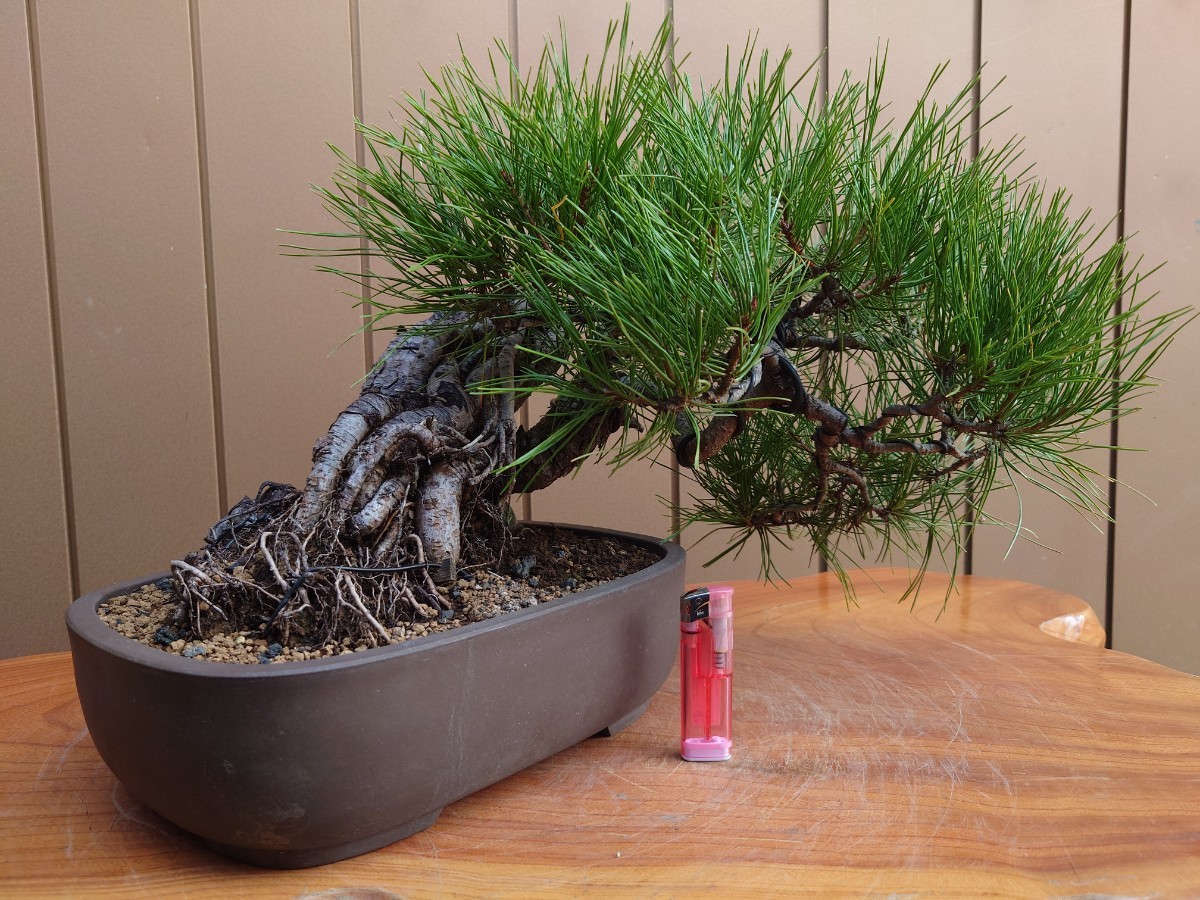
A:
x,y
623,722
319,856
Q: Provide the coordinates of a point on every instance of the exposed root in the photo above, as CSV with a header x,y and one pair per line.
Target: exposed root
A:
x,y
272,580
388,500
352,590
403,487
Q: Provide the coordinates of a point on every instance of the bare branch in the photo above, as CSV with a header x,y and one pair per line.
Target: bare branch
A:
x,y
549,466
835,344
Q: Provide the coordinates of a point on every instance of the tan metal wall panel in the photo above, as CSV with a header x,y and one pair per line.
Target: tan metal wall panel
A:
x,y
634,498
120,129
1156,603
398,40
277,83
917,38
630,498
704,30
1062,68
35,582
586,24
124,190
399,43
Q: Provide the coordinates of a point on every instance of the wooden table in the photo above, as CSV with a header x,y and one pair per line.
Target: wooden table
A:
x,y
877,751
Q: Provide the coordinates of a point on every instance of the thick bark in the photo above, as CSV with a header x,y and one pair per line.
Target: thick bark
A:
x,y
410,479
395,482
775,383
416,470
439,518
404,370
545,468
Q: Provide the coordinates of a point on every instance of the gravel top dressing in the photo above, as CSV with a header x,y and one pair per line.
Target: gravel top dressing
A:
x,y
540,566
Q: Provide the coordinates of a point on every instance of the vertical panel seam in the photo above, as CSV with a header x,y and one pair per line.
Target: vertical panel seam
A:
x,y
1110,572
973,150
823,95
360,159
52,290
676,483
669,18
823,99
977,67
514,49
206,239
514,34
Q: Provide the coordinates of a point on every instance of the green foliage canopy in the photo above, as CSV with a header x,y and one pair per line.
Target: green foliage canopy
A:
x,y
948,325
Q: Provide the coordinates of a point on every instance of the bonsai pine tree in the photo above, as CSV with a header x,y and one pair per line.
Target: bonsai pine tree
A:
x,y
846,329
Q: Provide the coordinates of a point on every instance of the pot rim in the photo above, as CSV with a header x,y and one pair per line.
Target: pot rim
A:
x,y
84,622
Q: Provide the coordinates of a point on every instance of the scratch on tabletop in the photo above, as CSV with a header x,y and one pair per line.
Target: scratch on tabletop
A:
x,y
959,729
1067,852
615,774
61,755
704,822
982,653
437,860
125,814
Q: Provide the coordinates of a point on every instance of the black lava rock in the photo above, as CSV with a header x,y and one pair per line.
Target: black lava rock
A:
x,y
522,567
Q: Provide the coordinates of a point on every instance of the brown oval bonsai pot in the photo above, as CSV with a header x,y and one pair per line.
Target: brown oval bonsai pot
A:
x,y
304,763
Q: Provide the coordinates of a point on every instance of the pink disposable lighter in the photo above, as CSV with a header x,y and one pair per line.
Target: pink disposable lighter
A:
x,y
706,673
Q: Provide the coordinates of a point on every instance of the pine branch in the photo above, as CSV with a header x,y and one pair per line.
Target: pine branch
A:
x,y
760,279
542,460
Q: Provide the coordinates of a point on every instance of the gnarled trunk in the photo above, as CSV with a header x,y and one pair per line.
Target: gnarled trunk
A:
x,y
415,476
403,487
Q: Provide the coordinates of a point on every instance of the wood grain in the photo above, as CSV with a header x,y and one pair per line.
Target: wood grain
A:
x,y
876,750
